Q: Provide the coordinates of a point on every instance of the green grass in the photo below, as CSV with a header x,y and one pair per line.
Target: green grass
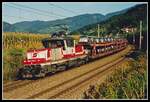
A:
x,y
127,82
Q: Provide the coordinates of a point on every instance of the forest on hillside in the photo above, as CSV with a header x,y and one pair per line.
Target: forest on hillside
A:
x,y
115,24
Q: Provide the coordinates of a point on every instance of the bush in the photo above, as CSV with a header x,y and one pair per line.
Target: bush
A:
x,y
124,84
12,61
15,44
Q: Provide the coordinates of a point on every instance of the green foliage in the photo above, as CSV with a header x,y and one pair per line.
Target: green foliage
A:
x,y
113,25
12,61
128,83
129,18
15,46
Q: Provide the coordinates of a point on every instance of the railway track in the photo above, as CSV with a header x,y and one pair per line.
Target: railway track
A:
x,y
76,80
16,85
59,88
10,83
77,84
76,91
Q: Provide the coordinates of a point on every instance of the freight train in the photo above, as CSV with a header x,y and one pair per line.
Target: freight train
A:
x,y
61,53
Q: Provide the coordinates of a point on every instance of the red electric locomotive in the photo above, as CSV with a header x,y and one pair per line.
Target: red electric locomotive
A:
x,y
61,53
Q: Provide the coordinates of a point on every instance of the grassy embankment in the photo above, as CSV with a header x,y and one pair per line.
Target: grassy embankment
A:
x,y
127,82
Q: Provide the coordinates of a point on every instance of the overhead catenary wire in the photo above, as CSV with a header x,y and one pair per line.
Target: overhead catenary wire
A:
x,y
35,12
70,11
35,9
31,9
62,8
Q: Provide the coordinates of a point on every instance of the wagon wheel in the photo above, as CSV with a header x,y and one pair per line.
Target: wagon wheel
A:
x,y
54,66
78,63
42,73
34,72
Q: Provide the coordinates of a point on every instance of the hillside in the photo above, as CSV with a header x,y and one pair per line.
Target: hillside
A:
x,y
115,23
7,27
73,23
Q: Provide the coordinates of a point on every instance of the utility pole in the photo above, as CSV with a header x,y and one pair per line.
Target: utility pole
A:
x,y
140,35
98,30
133,37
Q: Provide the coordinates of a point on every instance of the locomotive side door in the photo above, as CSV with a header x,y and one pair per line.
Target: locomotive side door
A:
x,y
69,48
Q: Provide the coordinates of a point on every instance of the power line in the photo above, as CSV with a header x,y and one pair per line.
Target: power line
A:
x,y
70,11
62,8
43,11
28,10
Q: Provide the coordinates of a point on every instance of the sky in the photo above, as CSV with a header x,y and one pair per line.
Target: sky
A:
x,y
13,12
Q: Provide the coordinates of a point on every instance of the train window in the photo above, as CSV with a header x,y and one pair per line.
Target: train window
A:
x,y
53,43
60,43
45,44
69,42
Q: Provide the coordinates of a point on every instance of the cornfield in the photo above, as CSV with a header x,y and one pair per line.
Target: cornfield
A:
x,y
15,46
22,40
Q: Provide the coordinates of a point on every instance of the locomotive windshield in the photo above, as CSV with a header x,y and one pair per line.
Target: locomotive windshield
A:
x,y
53,43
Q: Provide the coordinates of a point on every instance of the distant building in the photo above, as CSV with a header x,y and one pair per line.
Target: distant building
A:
x,y
129,29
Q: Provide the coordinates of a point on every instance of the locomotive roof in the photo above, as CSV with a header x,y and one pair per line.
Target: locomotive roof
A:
x,y
57,38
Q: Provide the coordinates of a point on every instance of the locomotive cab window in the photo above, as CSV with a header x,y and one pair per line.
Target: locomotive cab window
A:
x,y
45,44
53,43
70,42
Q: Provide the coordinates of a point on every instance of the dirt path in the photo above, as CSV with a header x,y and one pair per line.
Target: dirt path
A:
x,y
39,87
